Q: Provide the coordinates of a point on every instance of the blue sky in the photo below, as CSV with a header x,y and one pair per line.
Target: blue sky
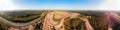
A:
x,y
59,4
54,4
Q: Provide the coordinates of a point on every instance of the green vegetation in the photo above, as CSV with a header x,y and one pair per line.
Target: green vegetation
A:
x,y
22,16
3,26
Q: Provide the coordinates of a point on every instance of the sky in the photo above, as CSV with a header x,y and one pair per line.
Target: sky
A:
x,y
6,5
54,4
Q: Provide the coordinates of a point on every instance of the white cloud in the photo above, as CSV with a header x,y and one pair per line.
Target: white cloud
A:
x,y
6,5
112,5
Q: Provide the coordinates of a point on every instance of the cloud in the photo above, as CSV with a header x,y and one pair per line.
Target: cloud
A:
x,y
112,5
6,5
